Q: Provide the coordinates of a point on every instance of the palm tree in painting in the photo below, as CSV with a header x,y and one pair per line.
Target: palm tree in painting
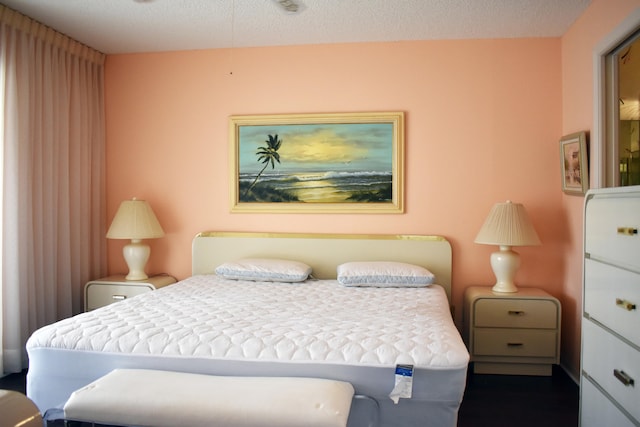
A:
x,y
268,155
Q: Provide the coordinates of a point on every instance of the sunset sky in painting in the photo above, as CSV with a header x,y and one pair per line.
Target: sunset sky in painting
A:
x,y
320,147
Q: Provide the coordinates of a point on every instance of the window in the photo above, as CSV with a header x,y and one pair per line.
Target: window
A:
x,y
626,58
615,142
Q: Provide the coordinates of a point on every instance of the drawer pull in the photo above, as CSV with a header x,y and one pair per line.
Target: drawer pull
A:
x,y
627,231
629,306
118,297
516,312
515,344
623,377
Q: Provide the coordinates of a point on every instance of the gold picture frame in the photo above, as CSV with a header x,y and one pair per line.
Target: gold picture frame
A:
x,y
574,163
317,163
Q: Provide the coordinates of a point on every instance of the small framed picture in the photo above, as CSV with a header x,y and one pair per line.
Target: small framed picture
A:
x,y
575,164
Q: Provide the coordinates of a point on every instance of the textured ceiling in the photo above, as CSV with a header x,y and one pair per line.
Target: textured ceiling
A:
x,y
125,26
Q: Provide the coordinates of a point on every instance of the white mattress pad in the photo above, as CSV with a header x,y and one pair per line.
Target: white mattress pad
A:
x,y
315,321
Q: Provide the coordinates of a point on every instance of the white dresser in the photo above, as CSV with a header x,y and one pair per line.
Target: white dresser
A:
x,y
610,380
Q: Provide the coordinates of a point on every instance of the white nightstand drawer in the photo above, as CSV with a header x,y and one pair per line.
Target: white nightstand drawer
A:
x,y
613,302
107,290
516,313
613,365
515,342
613,224
100,294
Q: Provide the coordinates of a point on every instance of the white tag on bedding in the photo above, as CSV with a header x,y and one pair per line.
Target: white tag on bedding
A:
x,y
403,384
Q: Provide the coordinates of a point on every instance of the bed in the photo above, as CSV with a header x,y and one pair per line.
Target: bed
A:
x,y
318,327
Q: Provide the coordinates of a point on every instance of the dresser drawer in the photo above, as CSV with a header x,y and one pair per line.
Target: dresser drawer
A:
x,y
612,297
101,294
605,358
596,410
610,222
516,313
515,342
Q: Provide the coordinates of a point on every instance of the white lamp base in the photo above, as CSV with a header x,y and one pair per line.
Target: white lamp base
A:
x,y
505,263
136,255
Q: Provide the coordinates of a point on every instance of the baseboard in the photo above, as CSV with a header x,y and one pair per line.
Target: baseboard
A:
x,y
570,375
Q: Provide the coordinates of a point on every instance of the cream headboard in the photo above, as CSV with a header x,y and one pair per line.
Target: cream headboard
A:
x,y
324,252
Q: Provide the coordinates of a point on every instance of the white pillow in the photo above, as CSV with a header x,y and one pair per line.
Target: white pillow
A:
x,y
386,274
264,270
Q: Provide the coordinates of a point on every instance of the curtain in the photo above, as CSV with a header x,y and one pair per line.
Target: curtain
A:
x,y
52,218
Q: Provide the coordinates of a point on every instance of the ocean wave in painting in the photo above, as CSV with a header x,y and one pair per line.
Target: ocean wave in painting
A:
x,y
326,187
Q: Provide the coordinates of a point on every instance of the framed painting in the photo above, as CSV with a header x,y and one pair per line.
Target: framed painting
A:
x,y
574,163
338,163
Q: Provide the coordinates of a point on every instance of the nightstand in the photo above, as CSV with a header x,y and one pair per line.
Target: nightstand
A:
x,y
101,292
512,333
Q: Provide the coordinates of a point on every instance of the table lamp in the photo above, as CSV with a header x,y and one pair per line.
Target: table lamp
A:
x,y
507,225
135,220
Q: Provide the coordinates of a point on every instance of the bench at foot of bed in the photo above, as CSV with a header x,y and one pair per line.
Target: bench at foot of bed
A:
x,y
141,397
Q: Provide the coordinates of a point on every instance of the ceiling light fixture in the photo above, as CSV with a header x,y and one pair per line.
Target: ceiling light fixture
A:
x,y
290,6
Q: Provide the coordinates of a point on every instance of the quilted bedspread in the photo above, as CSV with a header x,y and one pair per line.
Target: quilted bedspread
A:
x,y
314,321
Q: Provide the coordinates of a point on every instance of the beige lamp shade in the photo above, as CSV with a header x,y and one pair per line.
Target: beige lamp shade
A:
x,y
507,225
135,220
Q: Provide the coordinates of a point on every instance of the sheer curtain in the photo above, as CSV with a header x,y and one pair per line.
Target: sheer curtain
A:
x,y
52,171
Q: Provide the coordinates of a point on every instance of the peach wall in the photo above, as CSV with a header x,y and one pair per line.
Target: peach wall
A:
x,y
483,119
578,45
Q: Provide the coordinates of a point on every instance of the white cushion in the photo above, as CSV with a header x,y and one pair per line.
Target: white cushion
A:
x,y
175,399
383,274
265,270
